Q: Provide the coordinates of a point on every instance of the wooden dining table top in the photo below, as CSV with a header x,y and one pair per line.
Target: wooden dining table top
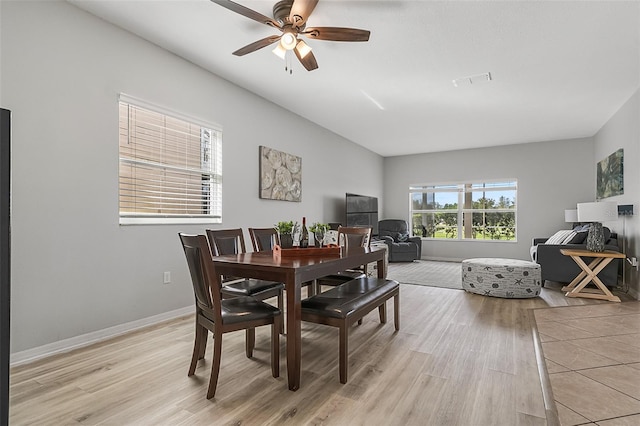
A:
x,y
307,267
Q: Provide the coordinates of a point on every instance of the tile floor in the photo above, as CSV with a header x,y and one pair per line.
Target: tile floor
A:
x,y
592,354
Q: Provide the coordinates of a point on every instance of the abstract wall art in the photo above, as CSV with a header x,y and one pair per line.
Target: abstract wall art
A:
x,y
280,175
610,176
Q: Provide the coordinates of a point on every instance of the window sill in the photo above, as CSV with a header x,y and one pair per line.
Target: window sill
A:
x,y
126,221
468,240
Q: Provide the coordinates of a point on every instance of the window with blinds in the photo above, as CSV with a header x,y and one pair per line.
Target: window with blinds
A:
x,y
170,167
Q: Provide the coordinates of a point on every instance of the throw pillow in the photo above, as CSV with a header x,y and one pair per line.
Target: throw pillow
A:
x,y
402,237
570,237
581,235
561,237
579,238
533,251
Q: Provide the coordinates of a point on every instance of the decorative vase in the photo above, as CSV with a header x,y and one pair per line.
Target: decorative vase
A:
x,y
595,238
318,238
286,240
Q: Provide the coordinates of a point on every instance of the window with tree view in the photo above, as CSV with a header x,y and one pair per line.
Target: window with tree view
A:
x,y
465,211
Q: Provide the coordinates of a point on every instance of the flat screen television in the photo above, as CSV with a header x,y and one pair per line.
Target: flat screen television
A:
x,y
362,210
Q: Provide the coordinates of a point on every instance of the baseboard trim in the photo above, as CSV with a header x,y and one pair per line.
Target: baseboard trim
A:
x,y
442,259
67,345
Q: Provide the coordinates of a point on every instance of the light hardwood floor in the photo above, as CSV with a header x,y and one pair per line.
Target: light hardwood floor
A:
x,y
458,359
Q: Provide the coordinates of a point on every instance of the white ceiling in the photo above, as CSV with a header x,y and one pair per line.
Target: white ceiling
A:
x,y
560,69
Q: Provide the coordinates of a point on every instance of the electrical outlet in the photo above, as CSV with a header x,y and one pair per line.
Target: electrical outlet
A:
x,y
633,261
167,277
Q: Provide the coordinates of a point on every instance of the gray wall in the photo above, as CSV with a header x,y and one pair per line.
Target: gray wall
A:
x,y
552,177
623,131
75,270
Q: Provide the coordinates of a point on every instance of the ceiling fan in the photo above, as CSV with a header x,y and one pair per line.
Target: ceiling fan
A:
x,y
290,17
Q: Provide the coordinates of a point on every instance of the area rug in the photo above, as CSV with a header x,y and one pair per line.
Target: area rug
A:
x,y
427,272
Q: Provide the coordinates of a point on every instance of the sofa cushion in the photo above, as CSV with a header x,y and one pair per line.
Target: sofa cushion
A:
x,y
405,248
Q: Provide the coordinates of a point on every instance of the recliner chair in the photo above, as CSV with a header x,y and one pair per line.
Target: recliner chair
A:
x,y
401,246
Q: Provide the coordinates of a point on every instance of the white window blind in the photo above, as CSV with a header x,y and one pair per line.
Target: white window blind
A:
x,y
170,168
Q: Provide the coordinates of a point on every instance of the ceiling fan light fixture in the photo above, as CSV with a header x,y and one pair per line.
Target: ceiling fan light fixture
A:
x,y
302,48
279,51
288,40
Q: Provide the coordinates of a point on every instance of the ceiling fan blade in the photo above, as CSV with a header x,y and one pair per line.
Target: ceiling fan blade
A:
x,y
300,11
308,61
337,34
245,11
257,45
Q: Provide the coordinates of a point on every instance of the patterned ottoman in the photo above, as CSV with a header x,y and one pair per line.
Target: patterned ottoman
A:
x,y
511,278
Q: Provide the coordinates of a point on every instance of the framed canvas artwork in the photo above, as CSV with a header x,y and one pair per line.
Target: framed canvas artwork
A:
x,y
610,176
280,175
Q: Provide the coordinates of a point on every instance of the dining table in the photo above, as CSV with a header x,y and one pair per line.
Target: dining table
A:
x,y
292,271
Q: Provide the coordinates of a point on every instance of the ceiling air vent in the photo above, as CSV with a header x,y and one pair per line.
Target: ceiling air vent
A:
x,y
472,79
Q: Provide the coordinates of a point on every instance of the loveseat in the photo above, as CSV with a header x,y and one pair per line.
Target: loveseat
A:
x,y
560,268
401,246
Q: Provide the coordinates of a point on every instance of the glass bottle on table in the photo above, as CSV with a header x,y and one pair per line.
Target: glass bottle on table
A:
x,y
304,235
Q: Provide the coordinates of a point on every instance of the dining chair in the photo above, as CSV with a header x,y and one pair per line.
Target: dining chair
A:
x,y
218,315
348,236
264,239
231,241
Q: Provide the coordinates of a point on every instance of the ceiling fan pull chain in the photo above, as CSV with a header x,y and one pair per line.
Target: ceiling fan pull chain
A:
x,y
287,62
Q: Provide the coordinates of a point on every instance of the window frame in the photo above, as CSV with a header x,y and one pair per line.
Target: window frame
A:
x,y
462,211
214,173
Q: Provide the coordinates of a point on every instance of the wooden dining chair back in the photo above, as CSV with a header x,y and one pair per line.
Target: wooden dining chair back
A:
x,y
226,241
264,238
348,237
220,315
207,301
231,241
354,236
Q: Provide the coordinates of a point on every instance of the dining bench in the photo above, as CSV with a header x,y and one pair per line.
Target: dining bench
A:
x,y
348,303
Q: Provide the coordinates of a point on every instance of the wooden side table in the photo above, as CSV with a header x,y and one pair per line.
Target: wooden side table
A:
x,y
590,274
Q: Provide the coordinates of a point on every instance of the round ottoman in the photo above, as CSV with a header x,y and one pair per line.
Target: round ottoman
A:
x,y
510,278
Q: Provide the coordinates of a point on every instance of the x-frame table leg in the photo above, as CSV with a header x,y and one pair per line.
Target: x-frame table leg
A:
x,y
590,274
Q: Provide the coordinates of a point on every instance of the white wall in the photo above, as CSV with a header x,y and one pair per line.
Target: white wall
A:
x,y
552,177
75,270
623,131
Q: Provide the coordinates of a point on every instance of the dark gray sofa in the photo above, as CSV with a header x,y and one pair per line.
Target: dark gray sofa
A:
x,y
557,267
401,247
